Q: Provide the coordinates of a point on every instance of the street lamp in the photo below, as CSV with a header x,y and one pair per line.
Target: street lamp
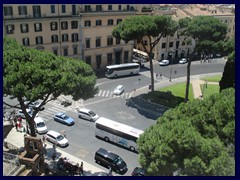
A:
x,y
170,55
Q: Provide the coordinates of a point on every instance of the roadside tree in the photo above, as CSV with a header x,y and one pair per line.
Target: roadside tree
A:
x,y
38,75
151,27
195,139
207,31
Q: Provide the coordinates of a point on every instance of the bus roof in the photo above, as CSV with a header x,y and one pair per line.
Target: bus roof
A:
x,y
122,65
119,126
140,52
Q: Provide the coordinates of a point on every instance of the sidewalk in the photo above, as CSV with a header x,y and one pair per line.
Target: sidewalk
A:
x,y
16,139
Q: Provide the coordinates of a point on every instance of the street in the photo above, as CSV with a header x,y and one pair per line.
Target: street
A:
x,y
82,140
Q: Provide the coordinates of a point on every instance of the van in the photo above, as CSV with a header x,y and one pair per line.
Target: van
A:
x,y
41,128
109,159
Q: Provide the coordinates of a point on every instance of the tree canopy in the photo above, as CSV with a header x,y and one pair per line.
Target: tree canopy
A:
x,y
196,138
151,27
34,75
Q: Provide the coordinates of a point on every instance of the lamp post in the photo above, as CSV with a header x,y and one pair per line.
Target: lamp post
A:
x,y
170,54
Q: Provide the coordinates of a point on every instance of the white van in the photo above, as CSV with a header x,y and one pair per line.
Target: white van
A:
x,y
41,128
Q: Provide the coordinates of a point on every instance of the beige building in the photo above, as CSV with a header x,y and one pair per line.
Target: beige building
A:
x,y
79,31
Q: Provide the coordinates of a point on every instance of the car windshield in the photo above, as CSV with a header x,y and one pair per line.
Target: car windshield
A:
x,y
118,160
60,137
40,124
92,113
64,117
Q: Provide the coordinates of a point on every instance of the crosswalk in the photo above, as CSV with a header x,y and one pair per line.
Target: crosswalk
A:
x,y
106,93
48,113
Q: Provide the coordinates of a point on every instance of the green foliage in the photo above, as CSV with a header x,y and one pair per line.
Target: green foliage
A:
x,y
192,139
228,78
33,74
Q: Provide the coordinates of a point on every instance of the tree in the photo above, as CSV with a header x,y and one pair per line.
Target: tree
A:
x,y
207,32
195,138
228,77
151,27
34,75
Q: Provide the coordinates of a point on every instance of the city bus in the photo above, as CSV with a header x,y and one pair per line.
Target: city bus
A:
x,y
140,57
122,70
121,134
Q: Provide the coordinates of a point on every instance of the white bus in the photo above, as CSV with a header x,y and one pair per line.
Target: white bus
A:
x,y
122,70
140,57
121,134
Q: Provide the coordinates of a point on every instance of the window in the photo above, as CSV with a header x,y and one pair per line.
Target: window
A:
x,y
109,7
38,27
126,56
8,11
229,29
74,24
22,10
87,23
119,20
36,11
226,21
54,38
98,7
55,51
65,51
39,40
53,26
10,29
109,41
98,60
177,44
87,8
74,37
88,43
64,25
110,22
88,60
118,41
64,37
63,8
74,12
128,7
171,44
98,42
53,9
119,7
24,28
98,22
25,41
75,49
163,45
109,58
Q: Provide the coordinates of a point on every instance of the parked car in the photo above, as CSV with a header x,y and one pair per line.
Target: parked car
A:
x,y
56,138
164,62
63,118
110,159
183,61
119,90
87,114
33,105
40,125
138,171
29,111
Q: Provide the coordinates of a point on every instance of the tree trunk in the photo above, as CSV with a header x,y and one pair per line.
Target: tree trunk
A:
x,y
30,122
151,71
188,78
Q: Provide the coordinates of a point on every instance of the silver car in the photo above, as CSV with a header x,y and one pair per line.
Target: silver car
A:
x,y
119,90
56,138
87,114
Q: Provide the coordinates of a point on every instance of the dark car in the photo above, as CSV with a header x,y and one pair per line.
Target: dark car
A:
x,y
138,171
109,159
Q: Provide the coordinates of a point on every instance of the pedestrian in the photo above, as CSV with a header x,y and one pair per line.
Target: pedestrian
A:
x,y
160,76
16,125
81,168
19,126
45,148
156,76
64,133
127,103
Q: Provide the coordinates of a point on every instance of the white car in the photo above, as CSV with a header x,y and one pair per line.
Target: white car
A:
x,y
33,105
56,138
119,90
183,61
29,111
164,62
87,114
41,128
